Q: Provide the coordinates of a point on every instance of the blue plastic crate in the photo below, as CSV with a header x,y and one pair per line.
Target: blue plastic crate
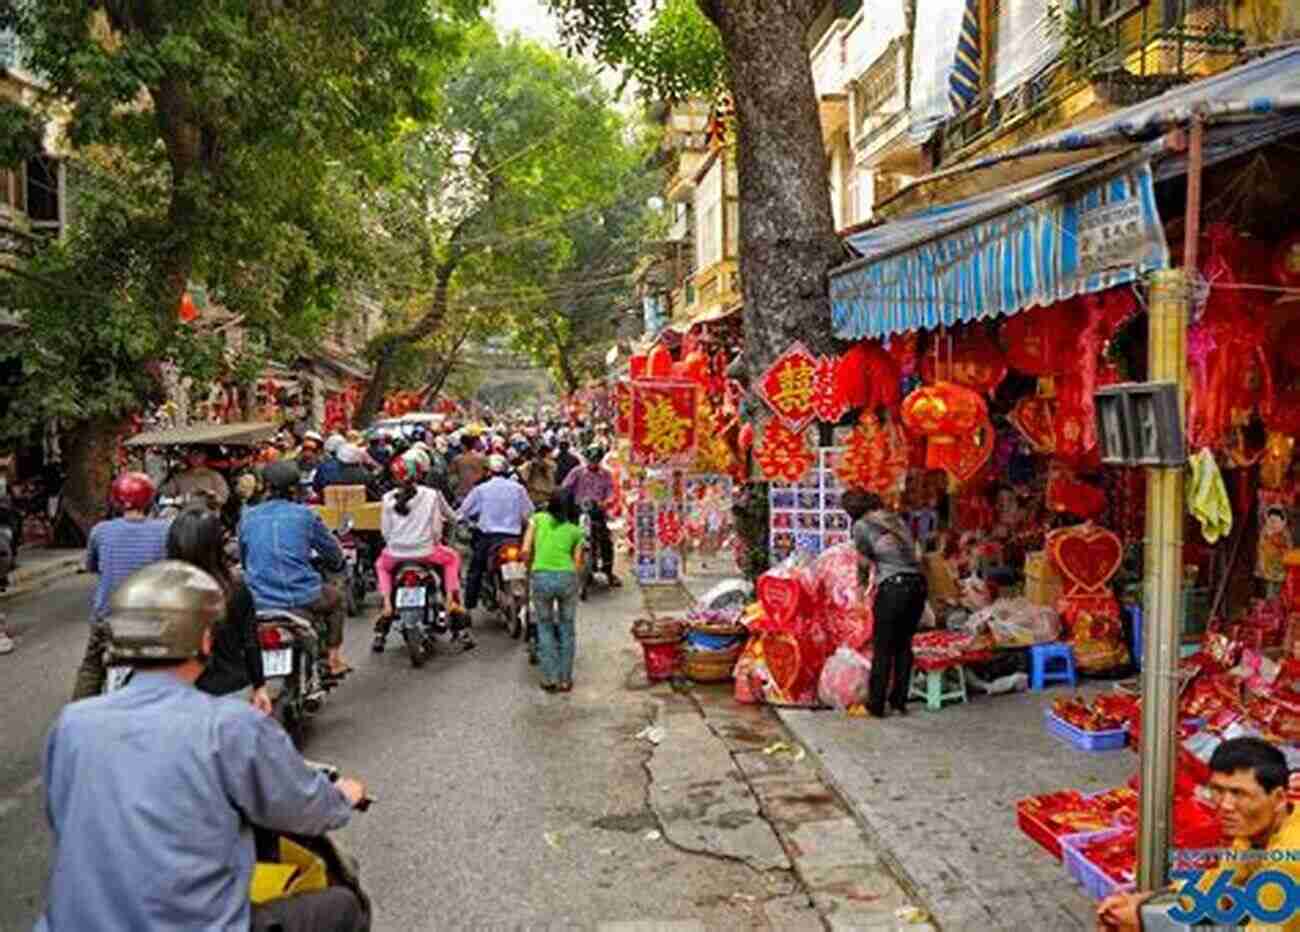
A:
x,y
1089,875
1107,740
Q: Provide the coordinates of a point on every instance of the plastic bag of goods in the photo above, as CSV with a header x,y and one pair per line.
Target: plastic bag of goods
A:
x,y
787,593
840,600
1020,623
844,679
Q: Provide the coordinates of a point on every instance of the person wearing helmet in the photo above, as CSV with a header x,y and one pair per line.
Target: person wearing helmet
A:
x,y
276,542
565,461
499,509
468,469
538,476
198,481
116,549
592,486
412,524
349,470
379,449
328,470
152,790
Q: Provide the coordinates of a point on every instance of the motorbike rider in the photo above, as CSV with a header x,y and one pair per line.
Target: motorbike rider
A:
x,y
276,541
329,466
351,470
565,461
152,790
538,476
412,524
116,549
468,469
198,481
499,507
592,486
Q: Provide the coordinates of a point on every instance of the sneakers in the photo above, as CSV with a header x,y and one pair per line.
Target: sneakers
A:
x,y
6,643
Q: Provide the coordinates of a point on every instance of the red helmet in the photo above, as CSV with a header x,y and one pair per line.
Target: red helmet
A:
x,y
133,491
411,466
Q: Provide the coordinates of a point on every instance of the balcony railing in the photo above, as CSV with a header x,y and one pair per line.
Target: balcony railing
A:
x,y
828,61
1140,49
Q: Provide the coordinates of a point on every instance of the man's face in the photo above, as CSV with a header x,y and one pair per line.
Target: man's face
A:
x,y
1245,809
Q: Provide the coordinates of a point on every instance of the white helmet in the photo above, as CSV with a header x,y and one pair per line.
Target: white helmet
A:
x,y
497,464
333,442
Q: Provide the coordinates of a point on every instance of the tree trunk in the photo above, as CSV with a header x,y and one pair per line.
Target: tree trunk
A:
x,y
89,455
787,230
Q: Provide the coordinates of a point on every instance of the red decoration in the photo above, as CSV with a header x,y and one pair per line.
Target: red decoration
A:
x,y
622,407
188,312
636,365
876,457
659,364
1086,556
695,368
663,423
1034,418
945,413
669,527
967,455
789,386
1067,495
869,376
828,405
1286,261
976,362
1041,341
783,454
781,597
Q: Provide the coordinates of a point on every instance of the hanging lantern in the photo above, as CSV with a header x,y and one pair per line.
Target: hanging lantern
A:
x,y
977,362
659,364
868,377
943,413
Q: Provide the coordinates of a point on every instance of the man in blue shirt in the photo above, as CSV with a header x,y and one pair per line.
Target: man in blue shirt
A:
x,y
499,507
276,543
116,549
151,790
329,469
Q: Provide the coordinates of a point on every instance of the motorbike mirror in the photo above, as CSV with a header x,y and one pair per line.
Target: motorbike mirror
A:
x,y
348,523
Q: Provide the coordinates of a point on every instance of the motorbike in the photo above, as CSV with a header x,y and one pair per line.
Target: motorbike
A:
x,y
295,667
353,579
505,586
280,865
422,615
589,576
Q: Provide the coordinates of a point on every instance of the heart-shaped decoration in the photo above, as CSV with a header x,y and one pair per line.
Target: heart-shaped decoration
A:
x,y
1085,555
780,597
1035,419
964,457
781,652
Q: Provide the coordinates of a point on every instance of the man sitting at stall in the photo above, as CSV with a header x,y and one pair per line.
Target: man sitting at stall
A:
x,y
1248,781
198,482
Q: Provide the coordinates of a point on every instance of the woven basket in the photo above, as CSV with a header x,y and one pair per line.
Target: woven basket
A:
x,y
711,666
646,629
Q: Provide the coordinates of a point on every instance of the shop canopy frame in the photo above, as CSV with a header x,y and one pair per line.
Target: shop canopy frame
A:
x,y
1038,241
201,435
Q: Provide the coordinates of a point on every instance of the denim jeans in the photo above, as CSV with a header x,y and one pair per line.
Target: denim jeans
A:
x,y
555,602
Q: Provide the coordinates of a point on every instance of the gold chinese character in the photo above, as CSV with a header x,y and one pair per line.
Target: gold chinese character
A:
x,y
794,386
666,430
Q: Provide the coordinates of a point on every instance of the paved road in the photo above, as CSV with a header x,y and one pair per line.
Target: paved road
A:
x,y
501,806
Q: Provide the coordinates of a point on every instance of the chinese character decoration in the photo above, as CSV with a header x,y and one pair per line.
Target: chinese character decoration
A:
x,y
623,407
829,404
663,423
716,429
875,457
782,454
789,386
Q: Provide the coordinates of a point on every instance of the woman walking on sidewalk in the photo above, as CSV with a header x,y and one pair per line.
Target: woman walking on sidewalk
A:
x,y
554,542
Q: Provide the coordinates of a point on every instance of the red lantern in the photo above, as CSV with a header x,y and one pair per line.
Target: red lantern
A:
x,y
942,411
868,376
659,364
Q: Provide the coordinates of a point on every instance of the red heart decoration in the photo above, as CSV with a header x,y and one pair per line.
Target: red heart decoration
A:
x,y
779,596
1035,419
1085,555
781,652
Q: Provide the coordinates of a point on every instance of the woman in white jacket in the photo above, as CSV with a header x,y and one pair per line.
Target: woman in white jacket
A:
x,y
412,523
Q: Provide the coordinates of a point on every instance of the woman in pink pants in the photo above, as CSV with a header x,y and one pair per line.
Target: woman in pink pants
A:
x,y
412,527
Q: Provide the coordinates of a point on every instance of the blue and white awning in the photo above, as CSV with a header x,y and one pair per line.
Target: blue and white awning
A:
x,y
1077,230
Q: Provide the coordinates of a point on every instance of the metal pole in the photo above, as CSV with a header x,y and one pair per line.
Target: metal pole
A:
x,y
1192,218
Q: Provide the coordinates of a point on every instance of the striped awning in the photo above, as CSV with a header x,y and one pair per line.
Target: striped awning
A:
x,y
1076,230
967,66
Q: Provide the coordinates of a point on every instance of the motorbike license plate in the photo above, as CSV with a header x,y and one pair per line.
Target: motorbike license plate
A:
x,y
410,597
512,572
277,662
117,677
350,556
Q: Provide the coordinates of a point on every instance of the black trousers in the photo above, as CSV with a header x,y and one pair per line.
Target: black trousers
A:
x,y
603,540
484,545
900,602
335,909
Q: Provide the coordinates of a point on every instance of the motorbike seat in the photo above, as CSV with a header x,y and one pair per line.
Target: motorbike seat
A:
x,y
282,614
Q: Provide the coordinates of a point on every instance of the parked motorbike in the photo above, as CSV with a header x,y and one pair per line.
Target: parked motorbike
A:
x,y
505,587
280,864
295,667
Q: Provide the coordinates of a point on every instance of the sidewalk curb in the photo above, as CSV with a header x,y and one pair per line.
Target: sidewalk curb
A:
x,y
23,581
886,855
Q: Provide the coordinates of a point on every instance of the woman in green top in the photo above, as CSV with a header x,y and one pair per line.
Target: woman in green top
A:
x,y
555,542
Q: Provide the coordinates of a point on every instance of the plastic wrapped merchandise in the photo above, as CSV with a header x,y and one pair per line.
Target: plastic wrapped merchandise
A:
x,y
841,603
844,679
730,593
1016,623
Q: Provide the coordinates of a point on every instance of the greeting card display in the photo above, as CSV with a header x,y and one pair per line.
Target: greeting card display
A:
x,y
657,529
806,515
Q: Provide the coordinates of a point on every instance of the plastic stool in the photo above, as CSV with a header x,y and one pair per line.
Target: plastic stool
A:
x,y
928,685
1041,655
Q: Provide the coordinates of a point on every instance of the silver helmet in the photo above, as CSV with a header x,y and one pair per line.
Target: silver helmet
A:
x,y
160,612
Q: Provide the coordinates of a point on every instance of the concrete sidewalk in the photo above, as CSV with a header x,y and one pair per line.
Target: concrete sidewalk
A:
x,y
936,792
40,566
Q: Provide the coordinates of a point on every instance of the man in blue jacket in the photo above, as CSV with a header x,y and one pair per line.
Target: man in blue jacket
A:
x,y
277,541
